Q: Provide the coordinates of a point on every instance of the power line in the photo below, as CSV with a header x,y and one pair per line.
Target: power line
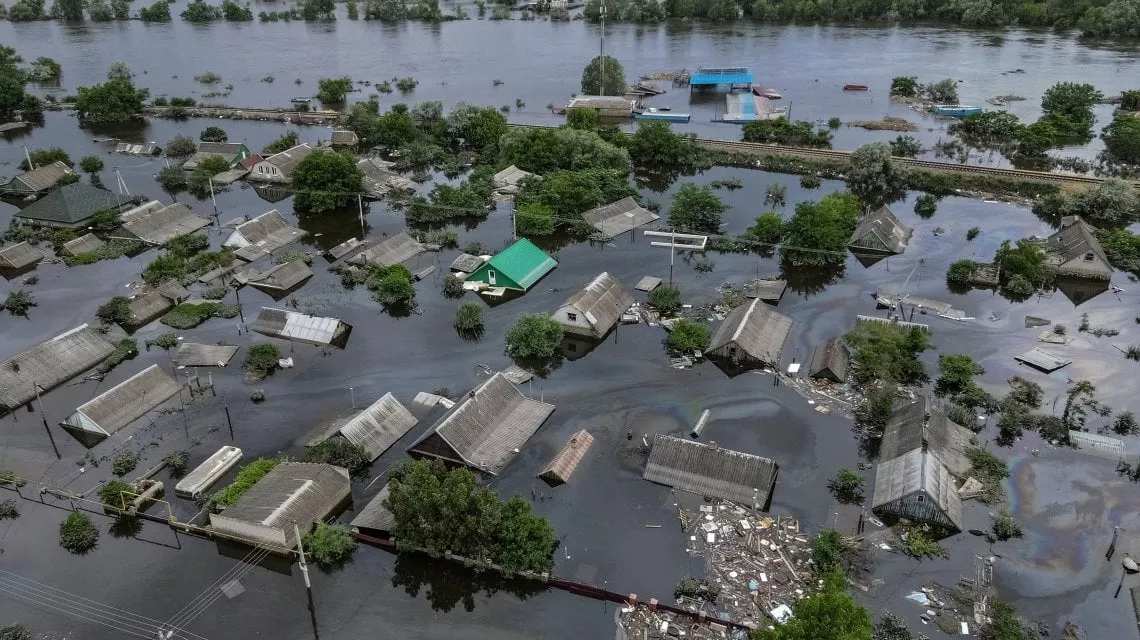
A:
x,y
198,605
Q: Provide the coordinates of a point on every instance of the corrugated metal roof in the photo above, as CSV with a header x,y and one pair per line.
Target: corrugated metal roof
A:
x,y
488,424
19,256
292,491
298,326
288,159
207,474
618,217
192,354
157,226
394,250
71,204
720,75
1046,361
377,427
918,486
125,402
283,277
881,231
38,179
49,364
923,424
510,177
345,248
1094,443
711,471
601,302
83,244
830,360
603,103
523,263
562,466
375,515
754,328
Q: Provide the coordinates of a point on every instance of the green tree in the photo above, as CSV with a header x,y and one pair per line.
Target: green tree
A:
x,y
905,86
163,268
768,229
67,9
200,12
43,157
781,131
847,486
1005,527
77,534
906,146
891,627
534,336
235,12
696,209
329,545
961,271
874,177
1125,424
666,299
886,353
284,142
687,336
926,206
19,302
333,90
582,119
1122,138
956,374
570,193
823,228
392,287
827,550
318,10
469,319
157,12
113,101
339,452
604,76
942,92
1026,260
325,180
830,614
353,11
542,150
91,164
179,146
1004,624
1068,106
656,144
213,134
261,359
534,219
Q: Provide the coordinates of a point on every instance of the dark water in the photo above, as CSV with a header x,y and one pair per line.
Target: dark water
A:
x,y
1068,502
541,63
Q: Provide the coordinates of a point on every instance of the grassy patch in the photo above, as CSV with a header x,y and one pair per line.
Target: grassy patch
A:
x,y
112,250
191,314
125,349
246,478
991,471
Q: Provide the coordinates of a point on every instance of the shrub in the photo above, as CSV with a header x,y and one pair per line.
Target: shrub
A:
x,y
176,462
925,206
116,493
125,349
341,453
115,311
257,396
287,140
392,286
191,314
666,299
125,462
452,287
165,341
469,318
9,510
847,487
1005,527
187,245
329,545
476,248
834,122
77,534
972,233
811,181
246,478
91,164
827,550
18,302
215,293
920,545
534,335
261,359
687,336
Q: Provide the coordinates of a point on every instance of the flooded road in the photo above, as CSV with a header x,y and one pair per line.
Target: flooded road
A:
x,y
1068,502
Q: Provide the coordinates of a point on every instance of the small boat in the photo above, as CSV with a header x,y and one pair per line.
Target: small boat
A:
x,y
558,111
660,114
300,100
955,110
765,92
855,87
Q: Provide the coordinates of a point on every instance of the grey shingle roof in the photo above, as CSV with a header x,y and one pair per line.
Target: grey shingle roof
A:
x,y
19,256
916,485
192,354
38,179
375,515
711,471
375,428
283,277
71,204
923,424
618,217
394,250
288,159
601,302
83,244
158,225
881,231
563,464
830,360
754,328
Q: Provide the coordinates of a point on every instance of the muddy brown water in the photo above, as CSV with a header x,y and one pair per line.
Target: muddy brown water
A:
x,y
1068,501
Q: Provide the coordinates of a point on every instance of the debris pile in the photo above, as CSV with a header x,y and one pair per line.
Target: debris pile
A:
x,y
641,621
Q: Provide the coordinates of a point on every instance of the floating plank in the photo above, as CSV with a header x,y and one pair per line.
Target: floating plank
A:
x,y
648,283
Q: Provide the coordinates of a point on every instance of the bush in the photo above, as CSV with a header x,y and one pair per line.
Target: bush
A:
x,y
925,206
117,494
781,131
125,463
905,86
329,545
125,349
392,286
257,396
469,318
340,452
1005,527
811,181
91,164
77,534
452,287
18,302
666,299
187,245
213,134
476,248
287,140
534,336
920,545
261,359
687,336
246,478
165,341
847,487
333,90
886,353
163,268
176,462
9,510
972,233
215,293
191,314
827,550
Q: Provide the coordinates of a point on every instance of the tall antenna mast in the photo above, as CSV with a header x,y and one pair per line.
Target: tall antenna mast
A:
x,y
602,53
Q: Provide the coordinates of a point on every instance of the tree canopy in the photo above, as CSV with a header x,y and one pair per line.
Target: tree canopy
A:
x,y
875,177
830,614
542,150
604,76
333,90
326,180
887,353
780,130
818,232
696,209
534,336
116,100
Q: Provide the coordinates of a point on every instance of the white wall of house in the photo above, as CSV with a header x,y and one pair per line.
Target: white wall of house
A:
x,y
574,320
267,172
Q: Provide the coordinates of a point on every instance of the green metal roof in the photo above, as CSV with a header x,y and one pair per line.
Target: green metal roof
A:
x,y
72,204
523,263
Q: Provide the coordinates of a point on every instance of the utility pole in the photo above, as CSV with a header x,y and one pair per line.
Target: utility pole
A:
x,y
601,53
36,388
212,200
305,572
28,157
672,252
360,209
514,221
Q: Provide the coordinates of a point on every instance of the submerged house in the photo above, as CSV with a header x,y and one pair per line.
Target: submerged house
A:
x,y
1074,251
72,206
118,407
282,278
508,180
193,354
375,428
379,179
616,218
604,106
279,166
290,325
344,138
394,250
261,236
232,152
880,233
830,360
751,335
485,428
156,223
19,258
375,519
711,471
563,464
153,304
50,364
517,267
36,181
85,243
595,309
921,452
291,493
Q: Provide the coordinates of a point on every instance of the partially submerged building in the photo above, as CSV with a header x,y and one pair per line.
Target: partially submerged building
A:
x,y
393,250
830,361
282,278
517,267
156,223
138,149
595,309
152,305
195,484
233,153
921,452
379,179
345,248
1074,251
880,233
467,263
604,106
49,364
564,463
279,166
36,181
19,258
118,407
711,471
344,138
616,218
85,243
72,206
290,325
509,180
293,492
375,519
485,427
254,239
375,428
193,354
751,335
